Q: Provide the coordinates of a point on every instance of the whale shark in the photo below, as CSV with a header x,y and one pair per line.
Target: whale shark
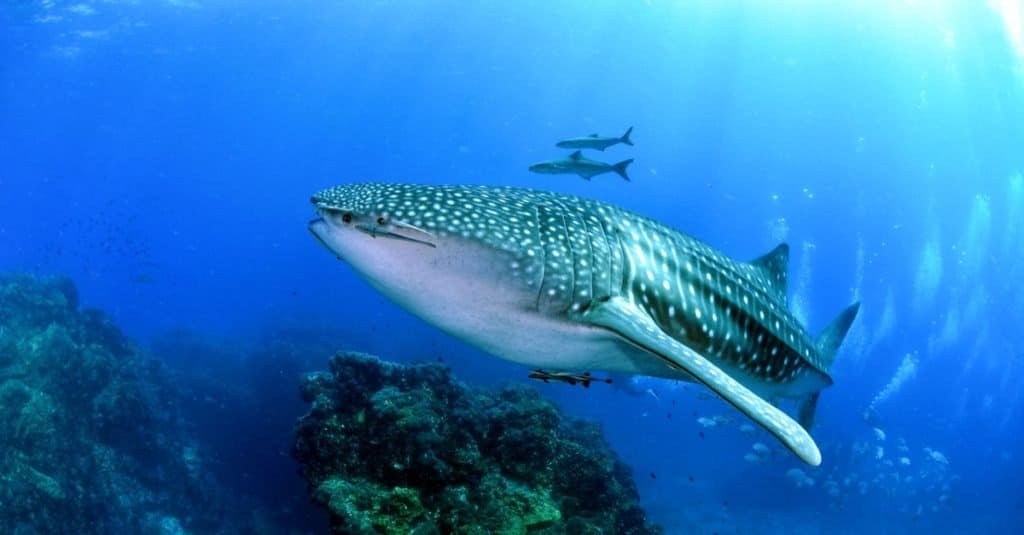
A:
x,y
558,282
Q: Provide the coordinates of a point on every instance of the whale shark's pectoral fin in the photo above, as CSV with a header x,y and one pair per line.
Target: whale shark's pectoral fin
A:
x,y
625,319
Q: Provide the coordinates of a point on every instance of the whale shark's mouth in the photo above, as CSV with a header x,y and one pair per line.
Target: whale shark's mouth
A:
x,y
311,227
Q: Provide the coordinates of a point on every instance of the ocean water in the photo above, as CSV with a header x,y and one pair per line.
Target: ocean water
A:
x,y
161,154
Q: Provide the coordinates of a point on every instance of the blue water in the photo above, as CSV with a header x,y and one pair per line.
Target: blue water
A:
x,y
162,153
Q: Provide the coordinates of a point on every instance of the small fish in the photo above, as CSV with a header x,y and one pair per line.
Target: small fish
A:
x,y
799,478
596,142
568,378
576,164
936,456
706,422
723,420
747,429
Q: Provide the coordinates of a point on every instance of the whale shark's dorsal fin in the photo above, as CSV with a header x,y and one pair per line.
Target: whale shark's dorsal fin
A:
x,y
774,265
831,337
576,155
624,319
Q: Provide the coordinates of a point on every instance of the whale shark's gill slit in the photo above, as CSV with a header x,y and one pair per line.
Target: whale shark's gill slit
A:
x,y
556,293
542,261
586,260
601,257
572,259
617,274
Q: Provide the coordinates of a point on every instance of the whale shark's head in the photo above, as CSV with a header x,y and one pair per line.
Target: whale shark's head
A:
x,y
432,249
381,231
349,214
496,267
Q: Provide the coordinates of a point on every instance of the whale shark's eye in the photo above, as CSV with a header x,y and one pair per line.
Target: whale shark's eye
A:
x,y
346,217
382,220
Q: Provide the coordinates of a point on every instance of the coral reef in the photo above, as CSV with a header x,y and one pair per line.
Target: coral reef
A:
x,y
99,437
390,448
92,442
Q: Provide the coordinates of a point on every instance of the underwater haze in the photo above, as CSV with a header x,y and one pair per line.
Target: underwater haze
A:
x,y
161,154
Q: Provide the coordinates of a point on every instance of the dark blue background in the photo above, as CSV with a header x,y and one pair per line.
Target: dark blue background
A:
x,y
162,154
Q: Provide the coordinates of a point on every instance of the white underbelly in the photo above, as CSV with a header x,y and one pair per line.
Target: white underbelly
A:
x,y
540,341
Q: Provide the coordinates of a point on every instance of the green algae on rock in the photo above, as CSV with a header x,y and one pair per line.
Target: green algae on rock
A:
x,y
390,448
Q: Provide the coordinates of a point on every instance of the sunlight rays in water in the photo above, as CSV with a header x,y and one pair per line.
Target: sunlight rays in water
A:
x,y
955,289
928,276
801,303
1014,216
1011,13
887,322
860,266
948,333
973,248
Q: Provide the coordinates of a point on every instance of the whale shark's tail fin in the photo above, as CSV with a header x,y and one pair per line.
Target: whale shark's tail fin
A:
x,y
828,343
620,168
808,407
625,137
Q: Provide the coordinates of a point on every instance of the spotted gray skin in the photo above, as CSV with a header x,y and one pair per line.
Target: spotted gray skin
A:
x,y
559,282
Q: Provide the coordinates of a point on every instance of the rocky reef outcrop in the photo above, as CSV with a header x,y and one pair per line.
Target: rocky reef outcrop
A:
x,y
390,448
90,440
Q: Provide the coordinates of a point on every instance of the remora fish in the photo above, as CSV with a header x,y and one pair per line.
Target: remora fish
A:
x,y
568,378
594,141
558,282
576,164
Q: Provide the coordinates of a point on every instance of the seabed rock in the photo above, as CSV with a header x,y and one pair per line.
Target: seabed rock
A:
x,y
89,440
398,449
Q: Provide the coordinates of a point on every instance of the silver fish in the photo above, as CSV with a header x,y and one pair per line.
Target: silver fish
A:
x,y
576,164
596,142
565,283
